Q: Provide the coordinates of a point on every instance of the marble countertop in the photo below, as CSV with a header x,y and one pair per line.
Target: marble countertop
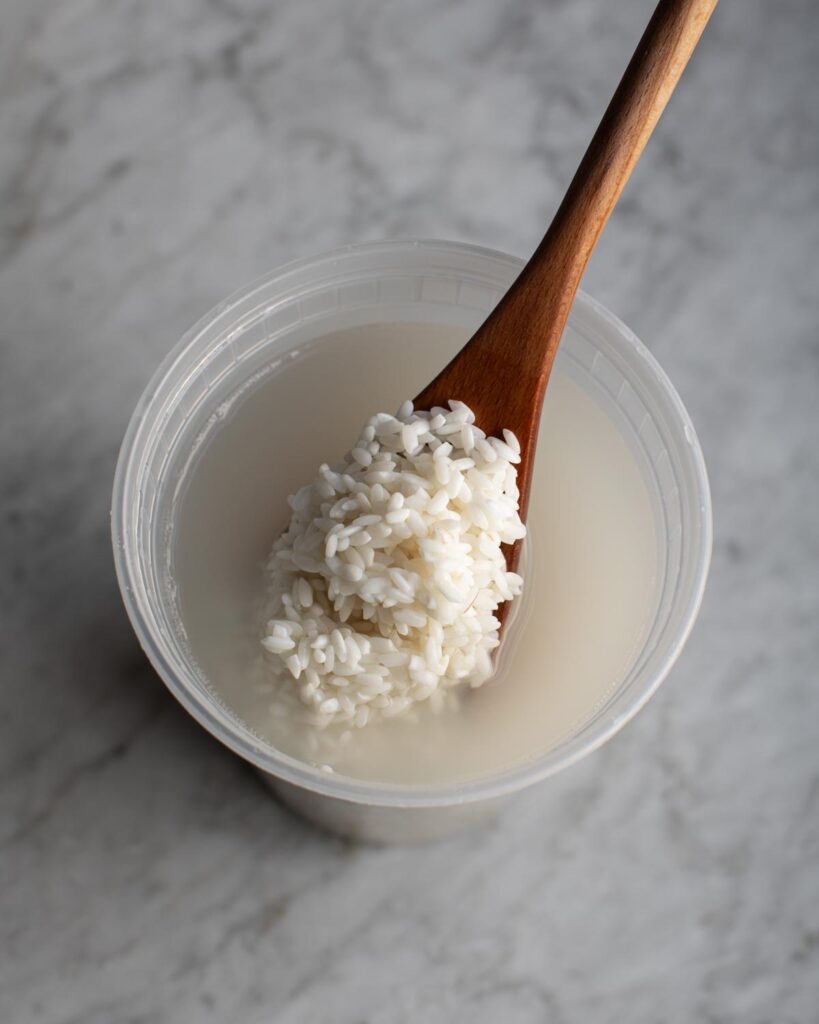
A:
x,y
156,156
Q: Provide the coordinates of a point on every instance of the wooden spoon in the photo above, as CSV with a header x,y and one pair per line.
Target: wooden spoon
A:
x,y
502,371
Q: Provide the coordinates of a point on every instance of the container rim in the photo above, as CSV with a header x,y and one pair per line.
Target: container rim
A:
x,y
241,741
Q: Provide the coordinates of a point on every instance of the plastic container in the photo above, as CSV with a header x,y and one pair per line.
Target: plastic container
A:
x,y
438,282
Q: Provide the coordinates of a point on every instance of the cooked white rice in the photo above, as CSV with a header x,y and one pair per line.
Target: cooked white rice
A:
x,y
384,586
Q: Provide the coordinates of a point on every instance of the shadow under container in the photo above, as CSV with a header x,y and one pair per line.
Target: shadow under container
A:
x,y
411,282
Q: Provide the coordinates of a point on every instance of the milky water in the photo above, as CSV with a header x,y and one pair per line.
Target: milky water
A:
x,y
590,578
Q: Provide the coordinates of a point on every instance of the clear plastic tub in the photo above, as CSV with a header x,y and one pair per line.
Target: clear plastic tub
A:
x,y
428,281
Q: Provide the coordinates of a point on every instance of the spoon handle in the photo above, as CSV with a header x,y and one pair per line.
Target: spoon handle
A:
x,y
559,261
502,371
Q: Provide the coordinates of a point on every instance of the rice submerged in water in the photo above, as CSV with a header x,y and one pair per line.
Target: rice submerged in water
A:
x,y
384,587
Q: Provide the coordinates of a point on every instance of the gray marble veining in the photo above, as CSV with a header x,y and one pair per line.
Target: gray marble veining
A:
x,y
154,157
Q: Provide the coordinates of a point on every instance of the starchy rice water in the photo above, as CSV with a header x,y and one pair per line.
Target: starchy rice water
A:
x,y
590,568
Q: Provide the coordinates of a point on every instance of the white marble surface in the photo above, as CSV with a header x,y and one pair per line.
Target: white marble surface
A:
x,y
156,155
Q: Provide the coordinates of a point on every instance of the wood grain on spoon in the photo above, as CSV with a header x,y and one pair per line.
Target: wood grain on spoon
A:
x,y
502,371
